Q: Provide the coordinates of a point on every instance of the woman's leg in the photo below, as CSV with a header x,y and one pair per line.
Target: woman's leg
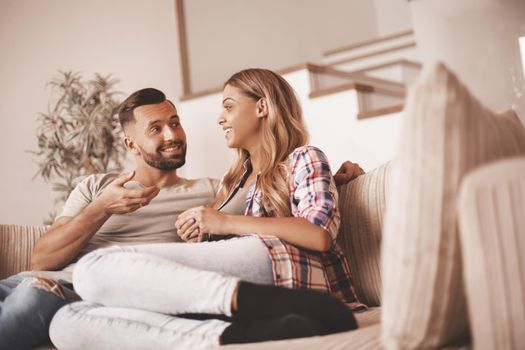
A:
x,y
87,326
172,278
244,257
149,278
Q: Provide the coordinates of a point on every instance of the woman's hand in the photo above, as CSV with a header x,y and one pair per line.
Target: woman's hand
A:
x,y
347,172
195,222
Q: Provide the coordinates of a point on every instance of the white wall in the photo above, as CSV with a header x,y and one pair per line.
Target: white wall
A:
x,y
135,40
392,16
207,154
228,35
478,39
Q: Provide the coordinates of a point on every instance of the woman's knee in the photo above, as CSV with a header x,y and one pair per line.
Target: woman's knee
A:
x,y
88,271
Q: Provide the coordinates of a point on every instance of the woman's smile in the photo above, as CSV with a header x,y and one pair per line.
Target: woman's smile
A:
x,y
227,131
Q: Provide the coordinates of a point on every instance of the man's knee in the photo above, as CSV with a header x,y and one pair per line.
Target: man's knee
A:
x,y
38,298
44,284
27,312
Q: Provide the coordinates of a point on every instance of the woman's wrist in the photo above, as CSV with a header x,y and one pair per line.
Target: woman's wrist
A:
x,y
228,225
238,225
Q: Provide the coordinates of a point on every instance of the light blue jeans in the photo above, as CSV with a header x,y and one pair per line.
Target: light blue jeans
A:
x,y
132,294
27,305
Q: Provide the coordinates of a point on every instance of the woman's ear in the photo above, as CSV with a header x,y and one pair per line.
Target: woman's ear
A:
x,y
130,145
262,108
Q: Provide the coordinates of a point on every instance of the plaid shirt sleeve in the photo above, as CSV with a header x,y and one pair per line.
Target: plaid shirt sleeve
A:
x,y
313,190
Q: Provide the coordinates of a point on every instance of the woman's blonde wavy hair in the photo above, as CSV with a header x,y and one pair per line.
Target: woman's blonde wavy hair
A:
x,y
283,131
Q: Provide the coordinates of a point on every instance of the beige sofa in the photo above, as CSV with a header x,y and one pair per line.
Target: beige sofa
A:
x,y
362,201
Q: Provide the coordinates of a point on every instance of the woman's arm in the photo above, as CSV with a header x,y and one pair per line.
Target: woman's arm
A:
x,y
313,195
294,230
347,172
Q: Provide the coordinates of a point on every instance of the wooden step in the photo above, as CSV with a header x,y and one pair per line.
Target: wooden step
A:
x,y
406,52
370,48
325,80
400,70
380,112
369,42
375,96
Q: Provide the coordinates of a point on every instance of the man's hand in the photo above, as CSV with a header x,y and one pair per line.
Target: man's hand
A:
x,y
195,222
68,235
347,172
116,199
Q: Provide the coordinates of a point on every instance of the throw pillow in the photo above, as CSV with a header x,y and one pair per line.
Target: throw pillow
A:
x,y
446,132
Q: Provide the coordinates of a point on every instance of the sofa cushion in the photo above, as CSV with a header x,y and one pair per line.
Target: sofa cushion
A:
x,y
492,233
362,204
446,132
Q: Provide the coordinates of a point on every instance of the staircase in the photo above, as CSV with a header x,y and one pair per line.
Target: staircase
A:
x,y
375,95
379,70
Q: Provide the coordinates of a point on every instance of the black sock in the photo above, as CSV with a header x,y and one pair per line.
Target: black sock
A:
x,y
256,301
284,327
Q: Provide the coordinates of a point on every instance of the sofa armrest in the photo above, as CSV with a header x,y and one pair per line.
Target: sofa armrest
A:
x,y
362,204
491,207
16,246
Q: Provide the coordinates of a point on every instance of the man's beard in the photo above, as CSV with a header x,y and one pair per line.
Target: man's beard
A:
x,y
158,161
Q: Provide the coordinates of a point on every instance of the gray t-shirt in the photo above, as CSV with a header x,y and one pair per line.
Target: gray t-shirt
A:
x,y
153,223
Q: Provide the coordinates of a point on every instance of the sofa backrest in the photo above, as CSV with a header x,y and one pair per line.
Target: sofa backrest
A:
x,y
16,246
361,203
362,206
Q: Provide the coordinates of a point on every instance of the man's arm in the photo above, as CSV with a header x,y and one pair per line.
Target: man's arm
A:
x,y
66,238
68,235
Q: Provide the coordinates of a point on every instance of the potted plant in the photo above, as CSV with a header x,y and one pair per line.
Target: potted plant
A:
x,y
80,134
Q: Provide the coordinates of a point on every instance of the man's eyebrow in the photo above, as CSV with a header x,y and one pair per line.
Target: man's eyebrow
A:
x,y
153,122
175,116
228,98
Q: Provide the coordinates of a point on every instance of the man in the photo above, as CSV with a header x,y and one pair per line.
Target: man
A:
x,y
108,209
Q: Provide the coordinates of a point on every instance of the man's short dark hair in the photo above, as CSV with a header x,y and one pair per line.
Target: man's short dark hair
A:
x,y
147,96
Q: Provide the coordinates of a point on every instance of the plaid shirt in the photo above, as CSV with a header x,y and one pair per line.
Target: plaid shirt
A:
x,y
313,196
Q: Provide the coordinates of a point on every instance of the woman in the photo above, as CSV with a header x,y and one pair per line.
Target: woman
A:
x,y
279,197
276,176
